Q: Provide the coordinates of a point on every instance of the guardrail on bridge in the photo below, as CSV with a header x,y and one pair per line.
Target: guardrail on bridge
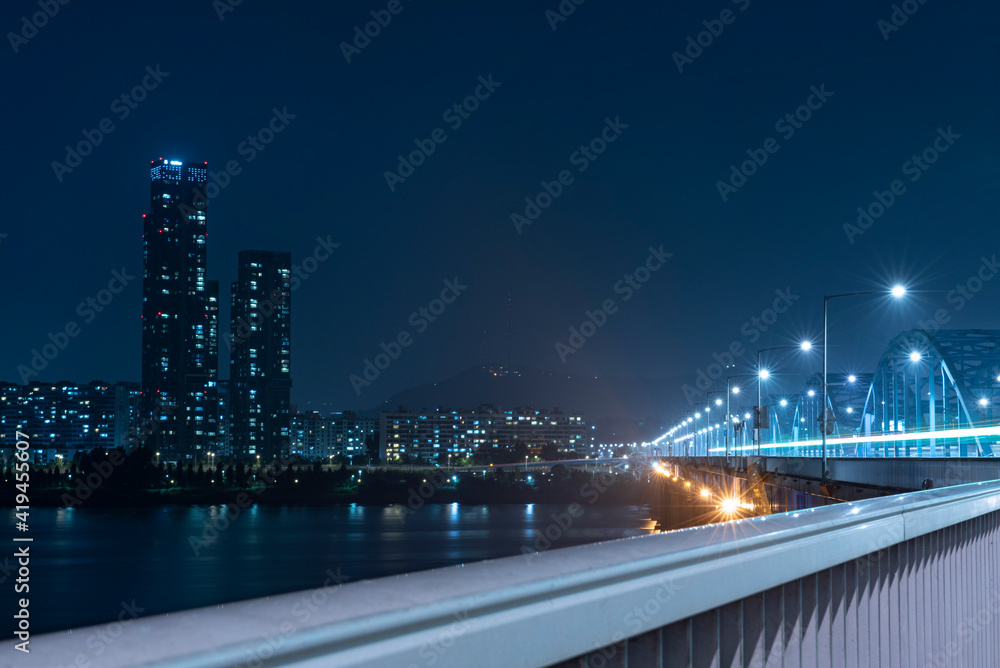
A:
x,y
908,580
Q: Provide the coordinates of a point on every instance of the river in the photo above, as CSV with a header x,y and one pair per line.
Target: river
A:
x,y
88,566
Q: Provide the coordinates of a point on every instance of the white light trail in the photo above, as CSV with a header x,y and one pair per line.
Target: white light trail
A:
x,y
942,434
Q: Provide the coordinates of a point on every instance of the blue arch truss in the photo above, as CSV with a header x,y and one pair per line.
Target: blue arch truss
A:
x,y
933,381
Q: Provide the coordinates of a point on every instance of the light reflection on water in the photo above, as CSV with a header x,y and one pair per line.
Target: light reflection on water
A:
x,y
87,561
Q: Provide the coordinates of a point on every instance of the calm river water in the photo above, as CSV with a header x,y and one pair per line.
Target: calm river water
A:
x,y
87,563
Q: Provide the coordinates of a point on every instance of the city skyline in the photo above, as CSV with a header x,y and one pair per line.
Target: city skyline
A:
x,y
612,162
752,329
251,416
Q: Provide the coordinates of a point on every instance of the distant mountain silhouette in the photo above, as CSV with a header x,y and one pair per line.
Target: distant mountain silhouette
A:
x,y
607,398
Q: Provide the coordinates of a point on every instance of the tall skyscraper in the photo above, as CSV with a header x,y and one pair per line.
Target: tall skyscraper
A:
x,y
260,355
223,447
179,316
212,408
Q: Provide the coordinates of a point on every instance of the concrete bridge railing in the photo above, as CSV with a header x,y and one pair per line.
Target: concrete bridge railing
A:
x,y
909,580
895,473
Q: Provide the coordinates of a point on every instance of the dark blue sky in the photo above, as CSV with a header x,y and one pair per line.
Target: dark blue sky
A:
x,y
656,184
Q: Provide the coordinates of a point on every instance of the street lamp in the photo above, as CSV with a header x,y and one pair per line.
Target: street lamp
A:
x,y
985,409
915,358
764,374
730,391
898,292
697,416
717,401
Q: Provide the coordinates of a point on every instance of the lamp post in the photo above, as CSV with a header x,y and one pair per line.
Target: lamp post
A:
x,y
985,410
706,431
784,404
718,404
897,292
689,434
730,391
915,358
764,374
697,416
735,390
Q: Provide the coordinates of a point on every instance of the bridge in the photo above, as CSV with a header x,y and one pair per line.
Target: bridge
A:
x,y
930,395
907,580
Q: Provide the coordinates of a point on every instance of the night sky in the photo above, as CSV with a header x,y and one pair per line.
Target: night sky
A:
x,y
885,95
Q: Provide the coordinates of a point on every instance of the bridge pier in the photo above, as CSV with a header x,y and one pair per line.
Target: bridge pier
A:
x,y
680,500
854,478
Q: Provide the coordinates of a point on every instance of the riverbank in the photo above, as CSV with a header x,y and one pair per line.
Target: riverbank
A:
x,y
384,487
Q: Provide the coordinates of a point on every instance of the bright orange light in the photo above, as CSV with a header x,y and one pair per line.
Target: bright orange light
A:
x,y
730,505
705,493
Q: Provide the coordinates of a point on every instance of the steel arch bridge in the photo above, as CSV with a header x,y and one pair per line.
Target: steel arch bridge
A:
x,y
845,397
932,381
931,395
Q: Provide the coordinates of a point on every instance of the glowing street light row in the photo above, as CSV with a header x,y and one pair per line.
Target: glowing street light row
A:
x,y
897,291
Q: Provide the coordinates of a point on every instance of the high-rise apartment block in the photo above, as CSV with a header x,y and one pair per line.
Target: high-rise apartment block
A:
x,y
260,344
179,314
434,436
